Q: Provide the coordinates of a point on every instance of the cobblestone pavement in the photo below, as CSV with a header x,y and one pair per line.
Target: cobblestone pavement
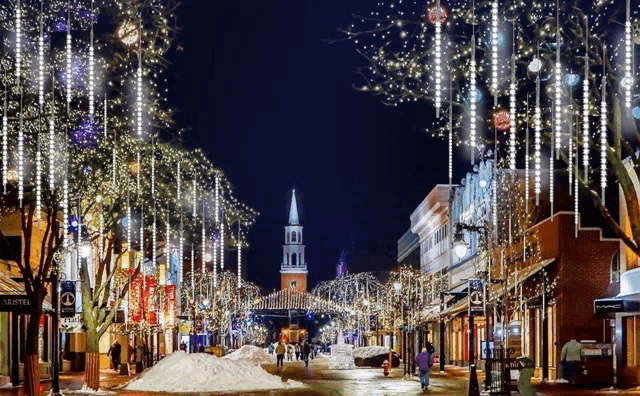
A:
x,y
322,381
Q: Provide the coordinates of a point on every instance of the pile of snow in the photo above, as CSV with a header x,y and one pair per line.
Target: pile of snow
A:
x,y
252,354
201,372
370,351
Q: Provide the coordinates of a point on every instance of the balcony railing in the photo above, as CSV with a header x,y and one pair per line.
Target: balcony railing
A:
x,y
289,267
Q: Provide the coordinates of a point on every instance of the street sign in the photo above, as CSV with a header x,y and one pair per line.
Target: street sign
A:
x,y
476,297
19,303
67,299
72,324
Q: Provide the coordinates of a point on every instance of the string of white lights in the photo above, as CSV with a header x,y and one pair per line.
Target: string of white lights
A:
x,y
167,237
450,128
141,246
558,87
222,240
153,169
21,153
438,58
526,162
576,213
5,144
494,51
138,170
193,203
38,180
204,239
214,244
181,251
239,284
603,130
473,99
139,84
178,183
100,230
193,270
628,57
512,116
91,66
129,223
41,59
537,142
68,50
216,220
154,238
65,211
571,150
585,106
18,40
52,137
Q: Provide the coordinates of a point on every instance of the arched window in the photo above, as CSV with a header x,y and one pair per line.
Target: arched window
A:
x,y
293,236
614,275
294,260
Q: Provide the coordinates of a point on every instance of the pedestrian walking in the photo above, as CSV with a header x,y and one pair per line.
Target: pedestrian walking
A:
x,y
571,357
183,346
280,354
114,352
297,350
424,361
306,351
290,352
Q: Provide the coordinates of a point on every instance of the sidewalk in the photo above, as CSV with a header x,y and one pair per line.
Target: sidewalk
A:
x,y
109,379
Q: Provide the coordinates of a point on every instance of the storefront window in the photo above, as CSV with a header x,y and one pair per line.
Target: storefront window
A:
x,y
614,275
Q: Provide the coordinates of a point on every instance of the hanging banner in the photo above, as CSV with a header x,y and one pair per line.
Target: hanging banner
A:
x,y
67,299
135,299
170,305
150,300
476,297
198,324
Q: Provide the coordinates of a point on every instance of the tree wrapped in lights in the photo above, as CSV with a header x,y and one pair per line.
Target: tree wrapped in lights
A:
x,y
595,40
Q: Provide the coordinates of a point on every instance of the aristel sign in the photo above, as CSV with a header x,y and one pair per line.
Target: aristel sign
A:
x,y
18,303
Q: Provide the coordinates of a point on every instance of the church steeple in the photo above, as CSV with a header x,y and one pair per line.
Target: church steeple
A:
x,y
293,270
293,212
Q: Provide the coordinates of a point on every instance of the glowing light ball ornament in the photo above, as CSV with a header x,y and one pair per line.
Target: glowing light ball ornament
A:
x,y
571,79
501,120
535,66
635,112
128,33
432,15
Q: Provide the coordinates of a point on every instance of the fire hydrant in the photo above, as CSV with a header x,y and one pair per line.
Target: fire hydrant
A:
x,y
385,367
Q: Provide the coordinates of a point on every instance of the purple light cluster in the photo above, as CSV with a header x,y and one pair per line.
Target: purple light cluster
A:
x,y
86,135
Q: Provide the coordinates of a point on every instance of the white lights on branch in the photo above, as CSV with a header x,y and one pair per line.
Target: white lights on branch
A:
x,y
52,148
167,237
438,56
473,105
101,230
38,181
216,220
526,162
576,213
194,204
494,50
21,154
18,40
215,269
239,261
141,252
41,59
91,67
537,142
5,143
153,169
628,77
154,238
204,239
139,92
603,131
558,87
512,116
65,212
193,270
68,59
138,170
585,107
178,183
450,129
181,253
129,224
222,241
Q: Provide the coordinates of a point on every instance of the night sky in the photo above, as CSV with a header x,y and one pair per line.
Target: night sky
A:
x,y
271,101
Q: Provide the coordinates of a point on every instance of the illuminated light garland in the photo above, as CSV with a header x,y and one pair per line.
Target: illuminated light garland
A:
x,y
576,213
193,271
141,252
41,59
603,130
571,150
558,87
628,56
526,162
101,231
204,238
178,183
216,221
65,212
585,107
18,40
222,241
139,89
438,45
167,236
68,50
91,67
154,237
21,153
52,137
450,129
239,260
215,269
153,169
181,252
138,170
5,143
105,119
512,117
193,203
38,181
537,141
129,223
494,51
473,107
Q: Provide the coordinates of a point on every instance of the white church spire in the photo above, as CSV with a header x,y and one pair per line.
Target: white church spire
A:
x,y
293,213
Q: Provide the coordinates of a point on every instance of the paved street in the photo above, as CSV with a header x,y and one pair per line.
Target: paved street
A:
x,y
322,381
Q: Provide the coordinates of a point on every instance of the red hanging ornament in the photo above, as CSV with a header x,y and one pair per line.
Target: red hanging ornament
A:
x,y
433,12
501,120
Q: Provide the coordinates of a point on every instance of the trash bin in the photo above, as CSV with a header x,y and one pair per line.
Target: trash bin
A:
x,y
524,381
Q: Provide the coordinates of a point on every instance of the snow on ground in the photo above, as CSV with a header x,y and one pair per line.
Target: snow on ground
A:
x,y
201,372
370,351
252,354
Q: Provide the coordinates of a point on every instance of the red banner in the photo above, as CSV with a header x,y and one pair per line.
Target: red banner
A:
x,y
170,305
135,299
151,306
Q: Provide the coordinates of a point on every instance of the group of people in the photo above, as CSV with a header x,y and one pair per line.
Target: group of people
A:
x,y
302,352
141,353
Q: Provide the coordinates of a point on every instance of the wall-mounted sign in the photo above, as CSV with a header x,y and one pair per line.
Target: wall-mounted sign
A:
x,y
476,297
71,324
67,299
19,303
184,327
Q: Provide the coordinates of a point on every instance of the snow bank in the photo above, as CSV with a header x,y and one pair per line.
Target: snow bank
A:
x,y
252,354
200,372
370,351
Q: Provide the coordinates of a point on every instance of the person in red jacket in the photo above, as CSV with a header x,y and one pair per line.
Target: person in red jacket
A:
x,y
424,361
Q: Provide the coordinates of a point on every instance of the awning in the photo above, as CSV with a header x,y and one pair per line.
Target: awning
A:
x,y
627,301
10,287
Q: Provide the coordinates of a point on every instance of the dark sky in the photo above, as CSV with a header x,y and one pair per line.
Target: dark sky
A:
x,y
273,105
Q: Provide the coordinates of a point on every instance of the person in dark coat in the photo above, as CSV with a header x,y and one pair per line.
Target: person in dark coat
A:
x,y
306,350
183,347
115,350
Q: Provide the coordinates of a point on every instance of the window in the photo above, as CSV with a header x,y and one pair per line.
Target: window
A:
x,y
299,237
614,274
294,260
293,237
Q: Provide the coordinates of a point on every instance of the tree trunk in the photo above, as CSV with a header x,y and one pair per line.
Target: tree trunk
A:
x,y
31,367
92,365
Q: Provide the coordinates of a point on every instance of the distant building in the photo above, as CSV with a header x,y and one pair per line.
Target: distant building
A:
x,y
293,270
341,267
409,250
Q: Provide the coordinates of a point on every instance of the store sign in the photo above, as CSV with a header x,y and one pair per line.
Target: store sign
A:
x,y
612,305
170,305
71,324
184,327
67,299
476,297
18,303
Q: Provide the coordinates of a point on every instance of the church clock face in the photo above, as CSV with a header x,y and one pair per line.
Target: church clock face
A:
x,y
293,284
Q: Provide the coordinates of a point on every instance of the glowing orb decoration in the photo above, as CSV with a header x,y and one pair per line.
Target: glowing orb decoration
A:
x,y
433,13
133,167
86,170
571,79
125,222
86,135
626,83
128,33
499,38
477,98
73,223
501,120
207,257
635,112
535,65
